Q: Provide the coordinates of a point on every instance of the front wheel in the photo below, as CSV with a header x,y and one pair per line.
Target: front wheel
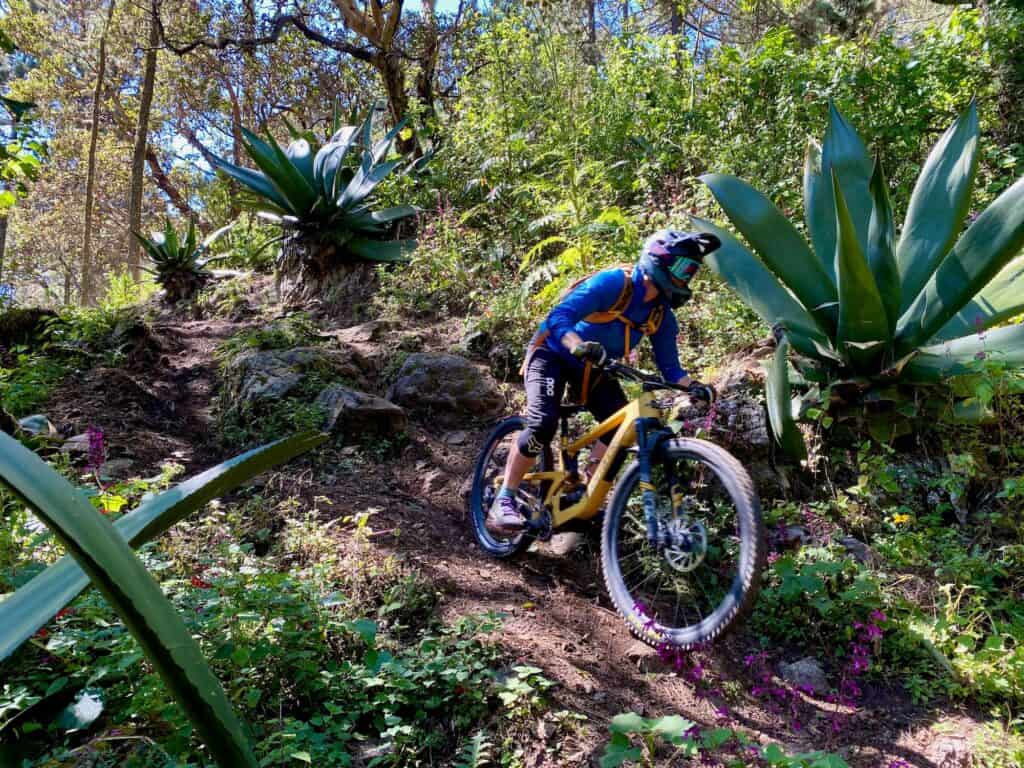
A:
x,y
490,467
704,576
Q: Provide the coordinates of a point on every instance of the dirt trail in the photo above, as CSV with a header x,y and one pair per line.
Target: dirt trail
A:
x,y
557,615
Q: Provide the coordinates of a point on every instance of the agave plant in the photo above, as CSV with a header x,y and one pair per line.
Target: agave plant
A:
x,y
101,553
859,305
324,202
178,264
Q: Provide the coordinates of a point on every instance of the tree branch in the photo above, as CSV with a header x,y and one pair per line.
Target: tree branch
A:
x,y
277,26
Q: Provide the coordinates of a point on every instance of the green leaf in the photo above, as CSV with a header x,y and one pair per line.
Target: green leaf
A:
x,y
629,722
1000,300
671,726
618,752
995,238
217,234
880,255
257,182
843,154
381,148
818,210
938,205
329,159
781,248
17,108
761,291
300,153
382,217
366,629
363,184
82,712
23,613
291,177
954,357
863,327
131,591
385,251
779,400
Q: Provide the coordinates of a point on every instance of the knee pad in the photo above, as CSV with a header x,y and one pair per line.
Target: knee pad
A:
x,y
531,441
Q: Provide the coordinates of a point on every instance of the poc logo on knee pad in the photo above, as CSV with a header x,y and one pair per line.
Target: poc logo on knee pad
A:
x,y
549,387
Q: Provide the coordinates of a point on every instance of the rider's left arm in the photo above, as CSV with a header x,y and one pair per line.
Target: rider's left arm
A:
x,y
666,353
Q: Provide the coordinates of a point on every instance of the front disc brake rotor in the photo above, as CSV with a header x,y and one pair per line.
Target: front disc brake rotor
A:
x,y
688,543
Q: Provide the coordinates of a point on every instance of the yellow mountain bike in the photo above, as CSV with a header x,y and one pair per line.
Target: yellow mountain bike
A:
x,y
682,542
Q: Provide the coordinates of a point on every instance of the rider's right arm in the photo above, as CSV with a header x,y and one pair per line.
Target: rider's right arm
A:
x,y
598,294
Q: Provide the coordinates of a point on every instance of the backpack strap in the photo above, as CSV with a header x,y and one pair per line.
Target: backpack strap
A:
x,y
621,304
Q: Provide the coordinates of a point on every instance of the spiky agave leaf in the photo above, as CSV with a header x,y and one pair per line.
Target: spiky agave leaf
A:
x,y
324,197
938,284
115,570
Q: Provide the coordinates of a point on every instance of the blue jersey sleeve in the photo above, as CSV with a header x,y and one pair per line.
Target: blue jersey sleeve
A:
x,y
597,294
666,353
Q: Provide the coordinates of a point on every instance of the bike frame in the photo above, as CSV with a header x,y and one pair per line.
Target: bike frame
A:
x,y
624,423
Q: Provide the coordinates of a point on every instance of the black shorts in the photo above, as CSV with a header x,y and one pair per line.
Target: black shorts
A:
x,y
547,375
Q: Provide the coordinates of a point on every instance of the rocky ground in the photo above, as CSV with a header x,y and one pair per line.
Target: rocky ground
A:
x,y
434,385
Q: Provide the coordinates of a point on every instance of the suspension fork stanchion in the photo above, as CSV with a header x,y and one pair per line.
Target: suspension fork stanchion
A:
x,y
645,430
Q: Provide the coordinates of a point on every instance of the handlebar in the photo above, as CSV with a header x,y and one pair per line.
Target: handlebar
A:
x,y
649,380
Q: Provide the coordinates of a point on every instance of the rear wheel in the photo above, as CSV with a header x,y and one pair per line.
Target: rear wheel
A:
x,y
490,467
705,578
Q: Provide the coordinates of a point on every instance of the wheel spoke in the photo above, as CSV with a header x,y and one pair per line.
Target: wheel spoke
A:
x,y
692,576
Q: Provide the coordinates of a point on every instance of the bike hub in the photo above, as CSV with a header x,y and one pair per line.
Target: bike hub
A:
x,y
686,544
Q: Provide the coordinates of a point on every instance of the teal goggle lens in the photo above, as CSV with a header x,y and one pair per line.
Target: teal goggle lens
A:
x,y
683,270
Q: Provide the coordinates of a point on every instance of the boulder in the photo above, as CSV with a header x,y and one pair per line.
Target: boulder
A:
x,y
477,343
350,411
273,374
448,388
363,333
806,674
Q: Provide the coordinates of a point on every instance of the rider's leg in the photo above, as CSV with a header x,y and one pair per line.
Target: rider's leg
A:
x,y
604,399
545,384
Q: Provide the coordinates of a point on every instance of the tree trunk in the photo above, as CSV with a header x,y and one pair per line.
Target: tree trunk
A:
x,y
592,22
139,153
88,285
392,72
428,60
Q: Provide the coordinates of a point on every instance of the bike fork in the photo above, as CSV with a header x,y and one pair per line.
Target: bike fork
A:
x,y
646,434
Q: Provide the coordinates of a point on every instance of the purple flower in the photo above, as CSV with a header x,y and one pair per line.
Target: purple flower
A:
x,y
877,616
980,355
97,450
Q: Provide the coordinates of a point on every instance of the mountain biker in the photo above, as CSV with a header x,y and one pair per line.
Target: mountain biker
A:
x,y
601,318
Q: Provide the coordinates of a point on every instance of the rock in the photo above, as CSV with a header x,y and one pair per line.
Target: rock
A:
x,y
363,333
860,551
505,361
644,657
477,343
273,374
37,425
434,481
794,536
76,444
445,387
563,544
807,673
348,410
115,468
459,437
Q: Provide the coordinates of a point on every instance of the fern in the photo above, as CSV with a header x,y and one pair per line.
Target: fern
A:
x,y
476,753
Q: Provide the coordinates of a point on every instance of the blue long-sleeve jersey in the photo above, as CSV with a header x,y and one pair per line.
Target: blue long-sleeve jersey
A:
x,y
599,294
